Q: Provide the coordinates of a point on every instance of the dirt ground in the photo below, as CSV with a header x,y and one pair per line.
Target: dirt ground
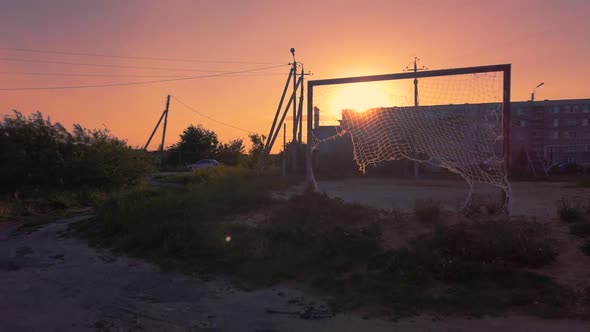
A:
x,y
528,198
52,281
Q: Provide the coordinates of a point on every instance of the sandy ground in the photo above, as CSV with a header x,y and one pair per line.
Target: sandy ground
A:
x,y
528,198
53,282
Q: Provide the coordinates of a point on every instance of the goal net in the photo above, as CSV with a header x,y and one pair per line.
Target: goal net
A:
x,y
453,121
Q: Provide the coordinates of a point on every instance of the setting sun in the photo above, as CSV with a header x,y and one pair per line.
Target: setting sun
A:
x,y
360,97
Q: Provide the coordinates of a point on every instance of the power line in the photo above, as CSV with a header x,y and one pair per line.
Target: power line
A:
x,y
140,82
116,75
208,117
90,75
114,66
132,57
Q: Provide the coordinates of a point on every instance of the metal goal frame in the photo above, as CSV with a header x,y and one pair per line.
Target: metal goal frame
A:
x,y
504,68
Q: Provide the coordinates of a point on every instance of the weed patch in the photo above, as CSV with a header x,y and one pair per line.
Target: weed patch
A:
x,y
583,182
570,210
312,232
580,229
427,210
46,201
474,268
188,225
481,206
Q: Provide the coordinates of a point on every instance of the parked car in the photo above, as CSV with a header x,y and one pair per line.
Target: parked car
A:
x,y
204,163
566,168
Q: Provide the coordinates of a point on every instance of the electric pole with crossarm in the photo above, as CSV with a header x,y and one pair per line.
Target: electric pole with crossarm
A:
x,y
415,69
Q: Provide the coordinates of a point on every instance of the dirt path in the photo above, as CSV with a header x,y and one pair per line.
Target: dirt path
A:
x,y
52,282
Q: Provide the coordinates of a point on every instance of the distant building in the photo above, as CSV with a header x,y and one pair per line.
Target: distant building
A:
x,y
552,130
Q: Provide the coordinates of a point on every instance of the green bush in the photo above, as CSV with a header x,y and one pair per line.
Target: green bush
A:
x,y
183,223
470,268
481,205
583,182
569,211
36,154
332,230
580,229
467,252
308,234
427,210
208,175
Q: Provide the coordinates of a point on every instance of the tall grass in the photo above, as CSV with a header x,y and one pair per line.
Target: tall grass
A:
x,y
185,223
51,201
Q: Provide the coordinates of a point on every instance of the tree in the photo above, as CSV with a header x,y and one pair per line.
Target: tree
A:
x,y
230,153
38,154
197,143
103,160
256,149
31,151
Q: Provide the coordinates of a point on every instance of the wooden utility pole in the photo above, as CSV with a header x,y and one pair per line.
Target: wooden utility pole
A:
x,y
295,124
163,116
300,111
276,127
276,133
415,69
279,119
284,162
164,130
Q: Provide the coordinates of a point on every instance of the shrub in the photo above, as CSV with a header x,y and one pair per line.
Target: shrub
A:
x,y
427,210
482,206
309,232
183,222
38,154
396,215
569,211
583,182
580,229
466,252
312,229
471,268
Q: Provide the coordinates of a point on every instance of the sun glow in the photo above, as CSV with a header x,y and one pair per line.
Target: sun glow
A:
x,y
360,97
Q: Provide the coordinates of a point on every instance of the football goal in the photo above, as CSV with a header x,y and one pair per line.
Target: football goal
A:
x,y
456,120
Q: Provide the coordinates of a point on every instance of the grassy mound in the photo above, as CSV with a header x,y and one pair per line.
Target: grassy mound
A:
x,y
476,267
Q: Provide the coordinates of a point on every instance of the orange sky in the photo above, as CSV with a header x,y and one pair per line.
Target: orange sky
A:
x,y
544,40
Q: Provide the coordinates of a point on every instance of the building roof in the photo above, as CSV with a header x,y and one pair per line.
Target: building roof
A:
x,y
555,102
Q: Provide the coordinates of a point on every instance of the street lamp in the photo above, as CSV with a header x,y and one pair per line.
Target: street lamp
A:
x,y
533,93
544,147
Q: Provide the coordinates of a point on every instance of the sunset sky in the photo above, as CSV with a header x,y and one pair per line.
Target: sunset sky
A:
x,y
545,41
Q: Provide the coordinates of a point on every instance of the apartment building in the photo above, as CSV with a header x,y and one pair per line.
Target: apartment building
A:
x,y
552,131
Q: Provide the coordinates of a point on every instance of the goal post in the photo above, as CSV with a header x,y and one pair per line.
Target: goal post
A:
x,y
504,69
